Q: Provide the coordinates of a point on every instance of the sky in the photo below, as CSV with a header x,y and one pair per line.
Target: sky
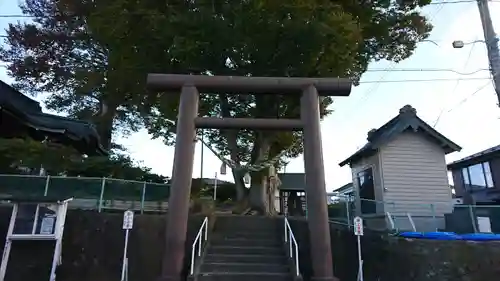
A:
x,y
467,109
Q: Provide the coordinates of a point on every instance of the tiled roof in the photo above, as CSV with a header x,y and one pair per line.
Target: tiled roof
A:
x,y
29,113
406,120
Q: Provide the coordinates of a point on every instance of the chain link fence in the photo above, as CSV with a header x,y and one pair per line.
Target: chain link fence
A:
x,y
415,216
91,193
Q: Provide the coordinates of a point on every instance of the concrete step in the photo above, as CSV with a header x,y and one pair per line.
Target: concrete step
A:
x,y
245,223
245,276
247,234
246,250
249,231
245,242
248,259
243,268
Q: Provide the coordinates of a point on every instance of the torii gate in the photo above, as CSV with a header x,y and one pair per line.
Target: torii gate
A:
x,y
187,122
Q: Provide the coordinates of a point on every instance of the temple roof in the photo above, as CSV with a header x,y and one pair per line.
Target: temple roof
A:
x,y
407,119
81,135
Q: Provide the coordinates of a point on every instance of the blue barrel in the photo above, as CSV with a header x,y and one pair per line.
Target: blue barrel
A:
x,y
431,235
441,236
481,237
411,234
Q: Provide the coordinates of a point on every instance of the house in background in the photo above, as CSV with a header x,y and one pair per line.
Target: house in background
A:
x,y
291,194
402,170
476,177
345,193
331,198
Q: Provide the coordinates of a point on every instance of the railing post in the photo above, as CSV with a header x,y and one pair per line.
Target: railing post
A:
x,y
192,259
393,215
46,191
307,209
206,229
473,218
286,231
434,217
199,247
103,185
143,197
348,214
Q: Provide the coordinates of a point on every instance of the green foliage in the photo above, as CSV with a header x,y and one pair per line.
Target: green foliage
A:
x,y
94,56
19,154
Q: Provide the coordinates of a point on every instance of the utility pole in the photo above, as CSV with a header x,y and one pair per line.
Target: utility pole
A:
x,y
202,156
491,41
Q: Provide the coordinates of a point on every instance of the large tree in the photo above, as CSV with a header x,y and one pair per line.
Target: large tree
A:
x,y
321,38
57,54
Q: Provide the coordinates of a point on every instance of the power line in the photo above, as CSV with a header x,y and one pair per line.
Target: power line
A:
x,y
428,70
443,107
420,80
408,70
469,96
424,80
392,65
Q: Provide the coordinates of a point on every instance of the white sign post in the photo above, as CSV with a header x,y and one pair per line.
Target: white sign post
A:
x,y
128,223
358,231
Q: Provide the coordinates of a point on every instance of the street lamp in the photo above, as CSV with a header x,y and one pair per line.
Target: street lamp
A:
x,y
458,44
492,51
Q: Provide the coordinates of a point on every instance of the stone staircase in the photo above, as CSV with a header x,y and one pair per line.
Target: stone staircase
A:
x,y
246,248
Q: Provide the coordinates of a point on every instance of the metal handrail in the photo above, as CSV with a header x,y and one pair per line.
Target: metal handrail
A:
x,y
290,238
412,223
198,240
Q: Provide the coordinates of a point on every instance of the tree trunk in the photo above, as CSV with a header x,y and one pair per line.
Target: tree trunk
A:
x,y
259,187
241,191
258,195
232,138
